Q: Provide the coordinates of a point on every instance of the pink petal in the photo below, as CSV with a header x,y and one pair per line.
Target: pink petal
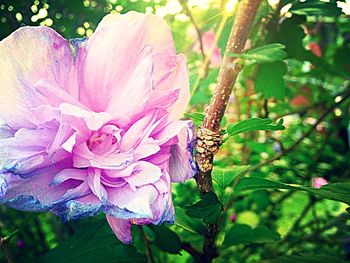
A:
x,y
144,173
121,228
146,148
27,56
71,173
138,202
318,182
136,132
94,182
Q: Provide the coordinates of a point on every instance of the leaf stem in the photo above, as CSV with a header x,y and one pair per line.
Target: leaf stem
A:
x,y
4,241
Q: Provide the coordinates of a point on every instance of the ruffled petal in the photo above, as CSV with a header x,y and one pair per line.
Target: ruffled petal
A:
x,y
26,150
29,55
88,205
34,191
173,91
127,46
181,164
138,202
144,173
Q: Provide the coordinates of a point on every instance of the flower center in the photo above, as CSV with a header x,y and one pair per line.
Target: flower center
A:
x,y
107,139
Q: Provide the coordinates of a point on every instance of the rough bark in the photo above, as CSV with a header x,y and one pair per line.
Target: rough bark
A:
x,y
209,135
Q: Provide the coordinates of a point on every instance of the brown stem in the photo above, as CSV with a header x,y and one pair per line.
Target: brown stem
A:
x,y
148,246
209,135
227,76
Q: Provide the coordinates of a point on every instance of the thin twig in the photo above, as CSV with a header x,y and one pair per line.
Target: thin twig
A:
x,y
4,245
198,30
203,72
297,222
191,250
342,218
346,95
148,245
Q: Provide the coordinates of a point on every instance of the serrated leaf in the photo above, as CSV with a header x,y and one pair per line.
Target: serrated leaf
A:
x,y
336,191
192,225
244,234
269,80
254,124
167,240
95,242
208,208
267,53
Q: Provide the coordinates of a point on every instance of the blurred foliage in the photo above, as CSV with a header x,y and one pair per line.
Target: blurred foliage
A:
x,y
300,79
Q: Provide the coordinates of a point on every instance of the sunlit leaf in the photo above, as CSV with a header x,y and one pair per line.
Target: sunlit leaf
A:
x,y
254,124
267,53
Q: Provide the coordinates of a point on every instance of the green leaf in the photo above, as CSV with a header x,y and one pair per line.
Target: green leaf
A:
x,y
269,80
254,124
197,117
315,8
224,177
257,183
268,53
192,225
336,191
95,242
167,240
319,258
244,234
208,208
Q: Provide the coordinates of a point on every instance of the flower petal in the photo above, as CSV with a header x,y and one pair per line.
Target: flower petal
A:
x,y
33,192
121,228
27,56
144,173
139,202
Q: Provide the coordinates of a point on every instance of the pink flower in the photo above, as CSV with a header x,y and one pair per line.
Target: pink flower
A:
x,y
233,217
318,182
210,48
91,125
